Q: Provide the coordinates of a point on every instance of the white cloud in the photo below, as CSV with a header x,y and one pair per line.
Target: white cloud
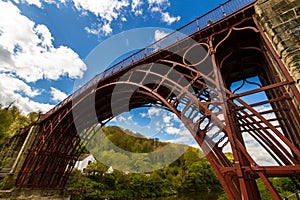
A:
x,y
159,6
121,119
106,10
30,51
106,29
33,2
9,84
57,95
45,36
156,9
92,30
168,19
136,7
158,2
154,111
167,119
184,137
27,54
158,34
258,153
14,90
172,130
143,114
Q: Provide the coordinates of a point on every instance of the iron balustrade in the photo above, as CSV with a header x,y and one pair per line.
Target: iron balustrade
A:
x,y
222,11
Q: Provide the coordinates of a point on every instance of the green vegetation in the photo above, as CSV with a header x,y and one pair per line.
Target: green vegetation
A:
x,y
189,173
284,186
12,120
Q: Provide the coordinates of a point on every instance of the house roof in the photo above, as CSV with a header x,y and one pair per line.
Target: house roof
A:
x,y
83,156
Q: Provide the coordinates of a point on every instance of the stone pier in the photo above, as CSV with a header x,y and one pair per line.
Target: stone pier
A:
x,y
34,194
280,20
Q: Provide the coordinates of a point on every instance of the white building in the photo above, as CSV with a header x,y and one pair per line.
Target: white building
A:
x,y
83,161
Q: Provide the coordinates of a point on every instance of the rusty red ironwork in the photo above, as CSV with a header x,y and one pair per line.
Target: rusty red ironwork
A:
x,y
217,115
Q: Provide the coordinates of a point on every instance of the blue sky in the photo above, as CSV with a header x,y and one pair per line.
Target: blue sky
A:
x,y
44,44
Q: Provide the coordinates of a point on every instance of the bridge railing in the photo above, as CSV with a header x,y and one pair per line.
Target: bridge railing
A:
x,y
222,11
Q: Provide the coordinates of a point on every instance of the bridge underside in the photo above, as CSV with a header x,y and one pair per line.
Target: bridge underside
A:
x,y
207,81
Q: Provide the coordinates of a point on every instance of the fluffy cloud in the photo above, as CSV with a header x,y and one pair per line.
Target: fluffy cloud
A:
x,y
14,90
29,51
159,6
154,111
168,19
108,11
11,84
158,34
158,2
57,95
143,115
172,130
37,3
258,153
27,54
136,7
167,119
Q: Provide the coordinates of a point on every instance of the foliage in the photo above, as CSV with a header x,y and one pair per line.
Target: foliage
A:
x,y
284,186
190,172
12,120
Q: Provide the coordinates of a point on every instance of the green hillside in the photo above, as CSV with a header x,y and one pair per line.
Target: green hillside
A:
x,y
191,172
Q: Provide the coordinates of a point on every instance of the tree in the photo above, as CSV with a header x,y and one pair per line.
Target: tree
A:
x,y
6,119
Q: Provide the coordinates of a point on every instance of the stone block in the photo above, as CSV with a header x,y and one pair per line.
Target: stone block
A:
x,y
297,11
288,43
291,50
280,47
290,59
295,65
295,73
288,15
276,39
281,6
292,24
276,20
280,29
269,31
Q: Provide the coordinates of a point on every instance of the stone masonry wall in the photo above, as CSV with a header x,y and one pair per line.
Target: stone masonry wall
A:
x,y
280,20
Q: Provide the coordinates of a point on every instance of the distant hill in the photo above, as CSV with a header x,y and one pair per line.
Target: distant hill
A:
x,y
167,168
129,151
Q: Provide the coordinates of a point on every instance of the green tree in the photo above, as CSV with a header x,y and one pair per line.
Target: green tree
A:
x,y
6,119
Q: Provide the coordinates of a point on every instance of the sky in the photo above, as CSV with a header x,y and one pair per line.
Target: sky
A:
x,y
45,49
45,46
